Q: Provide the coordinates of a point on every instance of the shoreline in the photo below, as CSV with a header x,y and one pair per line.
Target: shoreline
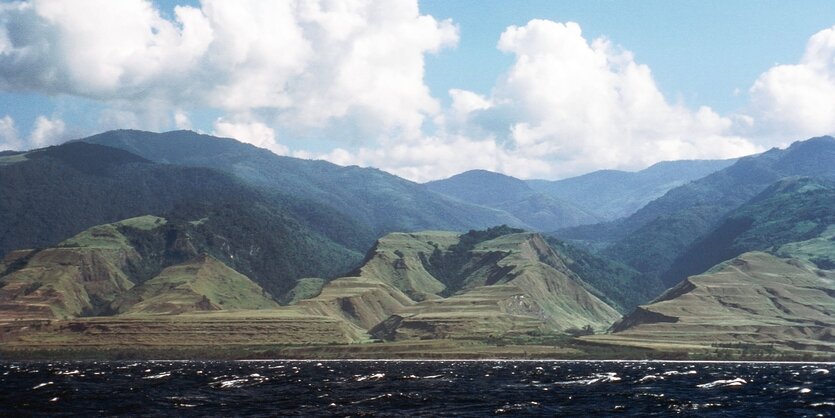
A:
x,y
363,354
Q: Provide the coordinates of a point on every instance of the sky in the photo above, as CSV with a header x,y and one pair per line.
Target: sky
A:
x,y
425,90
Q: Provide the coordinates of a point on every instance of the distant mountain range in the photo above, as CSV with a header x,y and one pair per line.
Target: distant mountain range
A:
x,y
652,239
498,191
613,194
131,237
351,205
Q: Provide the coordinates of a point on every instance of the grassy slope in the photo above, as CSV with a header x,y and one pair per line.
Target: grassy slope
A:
x,y
84,274
651,239
428,265
793,209
619,285
59,191
202,283
80,276
757,299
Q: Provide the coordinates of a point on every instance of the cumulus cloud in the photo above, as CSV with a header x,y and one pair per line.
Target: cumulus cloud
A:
x,y
47,132
352,72
310,63
182,120
588,104
434,157
566,106
246,130
796,101
99,48
8,134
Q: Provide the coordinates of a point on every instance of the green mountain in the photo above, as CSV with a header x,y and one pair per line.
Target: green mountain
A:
x,y
793,209
200,284
57,192
350,205
90,273
756,303
615,283
613,194
497,272
652,239
514,196
82,276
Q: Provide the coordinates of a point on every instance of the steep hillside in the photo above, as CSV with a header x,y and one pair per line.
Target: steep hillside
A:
x,y
651,239
758,299
85,275
350,205
361,301
53,193
430,265
498,191
617,284
613,194
81,276
200,284
794,209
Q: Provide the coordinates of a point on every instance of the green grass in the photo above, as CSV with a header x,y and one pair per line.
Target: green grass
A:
x,y
200,284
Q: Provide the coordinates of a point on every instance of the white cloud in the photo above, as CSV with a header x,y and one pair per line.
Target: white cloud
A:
x,y
352,72
583,105
100,48
181,120
47,132
246,130
8,135
796,101
311,64
435,157
566,106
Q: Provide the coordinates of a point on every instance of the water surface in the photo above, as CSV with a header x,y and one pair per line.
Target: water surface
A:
x,y
436,388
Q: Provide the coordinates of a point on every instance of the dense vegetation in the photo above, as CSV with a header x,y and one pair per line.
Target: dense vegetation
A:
x,y
59,191
795,209
654,237
351,205
617,284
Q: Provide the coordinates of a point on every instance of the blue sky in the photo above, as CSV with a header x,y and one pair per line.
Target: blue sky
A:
x,y
427,89
699,51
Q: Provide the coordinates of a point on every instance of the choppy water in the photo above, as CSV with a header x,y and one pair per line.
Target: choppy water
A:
x,y
477,388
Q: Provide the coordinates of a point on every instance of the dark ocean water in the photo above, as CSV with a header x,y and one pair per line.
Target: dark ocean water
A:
x,y
428,388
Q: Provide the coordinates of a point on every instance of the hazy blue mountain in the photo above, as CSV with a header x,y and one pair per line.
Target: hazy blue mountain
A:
x,y
794,209
651,239
612,194
51,194
354,205
506,193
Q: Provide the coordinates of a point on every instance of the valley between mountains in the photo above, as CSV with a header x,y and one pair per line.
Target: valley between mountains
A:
x,y
132,244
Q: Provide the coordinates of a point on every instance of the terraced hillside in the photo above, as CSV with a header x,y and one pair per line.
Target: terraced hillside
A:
x,y
483,278
174,265
200,284
756,301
